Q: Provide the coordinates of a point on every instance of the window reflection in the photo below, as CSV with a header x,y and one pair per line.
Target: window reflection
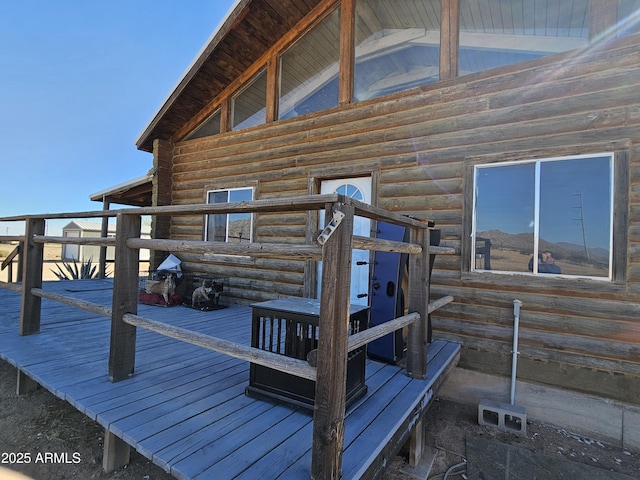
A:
x,y
211,126
232,227
547,217
628,16
505,197
503,32
249,106
309,70
397,46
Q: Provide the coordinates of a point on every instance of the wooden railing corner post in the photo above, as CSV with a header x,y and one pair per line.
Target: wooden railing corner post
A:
x,y
418,301
122,349
330,401
32,260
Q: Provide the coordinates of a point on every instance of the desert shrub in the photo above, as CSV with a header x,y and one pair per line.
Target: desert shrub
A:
x,y
72,271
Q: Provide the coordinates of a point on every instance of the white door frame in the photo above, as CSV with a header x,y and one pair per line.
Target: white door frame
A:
x,y
360,188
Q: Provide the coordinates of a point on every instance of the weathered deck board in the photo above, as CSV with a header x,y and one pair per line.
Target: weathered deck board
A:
x,y
185,407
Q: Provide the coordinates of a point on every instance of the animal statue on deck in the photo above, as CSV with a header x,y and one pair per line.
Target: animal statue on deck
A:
x,y
203,292
166,288
199,294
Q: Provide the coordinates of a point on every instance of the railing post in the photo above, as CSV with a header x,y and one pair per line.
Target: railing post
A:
x,y
122,351
32,257
418,302
104,232
20,257
329,409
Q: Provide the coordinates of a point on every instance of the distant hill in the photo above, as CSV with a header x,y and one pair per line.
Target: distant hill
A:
x,y
522,242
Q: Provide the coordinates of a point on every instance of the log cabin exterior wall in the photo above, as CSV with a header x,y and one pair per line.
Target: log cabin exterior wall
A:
x,y
418,146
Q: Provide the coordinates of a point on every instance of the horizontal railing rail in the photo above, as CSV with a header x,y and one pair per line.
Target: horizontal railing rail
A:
x,y
92,241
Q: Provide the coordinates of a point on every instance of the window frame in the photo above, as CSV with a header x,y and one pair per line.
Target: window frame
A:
x,y
195,133
619,217
602,18
208,192
280,57
261,73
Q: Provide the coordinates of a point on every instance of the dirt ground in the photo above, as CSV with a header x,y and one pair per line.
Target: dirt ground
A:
x,y
48,439
449,424
52,254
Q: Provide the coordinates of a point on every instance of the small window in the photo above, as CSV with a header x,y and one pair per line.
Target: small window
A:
x,y
229,227
309,70
248,107
544,217
211,126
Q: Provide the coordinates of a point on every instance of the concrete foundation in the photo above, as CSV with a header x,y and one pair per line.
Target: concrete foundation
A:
x,y
594,417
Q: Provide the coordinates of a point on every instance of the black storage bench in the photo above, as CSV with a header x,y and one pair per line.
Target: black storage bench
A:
x,y
289,326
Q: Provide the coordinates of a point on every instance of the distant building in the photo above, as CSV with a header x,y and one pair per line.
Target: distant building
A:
x,y
82,253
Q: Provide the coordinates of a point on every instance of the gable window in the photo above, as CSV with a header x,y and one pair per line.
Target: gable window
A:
x,y
248,107
309,70
229,227
211,126
544,217
503,32
397,46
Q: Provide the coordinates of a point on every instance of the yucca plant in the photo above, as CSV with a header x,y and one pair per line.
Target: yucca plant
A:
x,y
72,271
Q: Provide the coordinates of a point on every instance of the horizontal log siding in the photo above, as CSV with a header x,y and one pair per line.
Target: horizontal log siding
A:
x,y
576,334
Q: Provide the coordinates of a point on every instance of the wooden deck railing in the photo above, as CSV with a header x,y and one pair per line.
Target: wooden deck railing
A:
x,y
327,365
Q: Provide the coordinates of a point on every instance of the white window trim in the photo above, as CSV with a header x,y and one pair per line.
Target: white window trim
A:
x,y
538,162
206,224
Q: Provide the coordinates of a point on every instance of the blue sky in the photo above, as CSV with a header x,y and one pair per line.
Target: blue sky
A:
x,y
79,81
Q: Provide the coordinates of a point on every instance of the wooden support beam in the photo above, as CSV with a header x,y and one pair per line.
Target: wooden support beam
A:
x,y
347,51
272,89
329,409
25,384
449,38
122,351
116,453
418,301
33,256
416,443
161,188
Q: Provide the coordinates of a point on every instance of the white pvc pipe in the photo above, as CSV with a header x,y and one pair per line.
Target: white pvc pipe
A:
x,y
514,363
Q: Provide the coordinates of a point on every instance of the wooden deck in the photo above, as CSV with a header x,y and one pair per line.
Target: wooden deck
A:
x,y
185,407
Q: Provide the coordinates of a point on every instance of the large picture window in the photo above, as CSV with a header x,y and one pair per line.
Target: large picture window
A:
x,y
397,46
503,32
229,227
309,70
544,217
